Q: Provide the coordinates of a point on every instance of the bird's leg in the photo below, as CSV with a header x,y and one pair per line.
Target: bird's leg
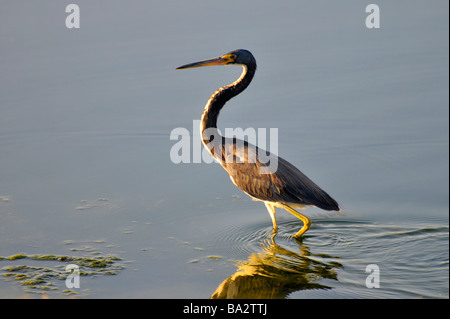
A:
x,y
271,210
306,221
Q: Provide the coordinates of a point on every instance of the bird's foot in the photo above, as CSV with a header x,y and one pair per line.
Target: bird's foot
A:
x,y
273,233
301,232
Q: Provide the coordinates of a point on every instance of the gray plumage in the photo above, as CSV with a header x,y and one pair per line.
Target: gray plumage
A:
x,y
260,174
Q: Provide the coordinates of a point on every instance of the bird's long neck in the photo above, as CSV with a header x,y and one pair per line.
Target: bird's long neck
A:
x,y
216,102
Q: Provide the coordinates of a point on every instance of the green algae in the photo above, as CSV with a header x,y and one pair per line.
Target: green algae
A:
x,y
97,264
14,257
42,279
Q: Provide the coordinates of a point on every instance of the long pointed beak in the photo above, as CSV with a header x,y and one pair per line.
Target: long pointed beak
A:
x,y
216,61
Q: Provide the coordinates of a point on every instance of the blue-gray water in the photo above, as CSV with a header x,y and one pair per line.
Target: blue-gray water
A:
x,y
85,168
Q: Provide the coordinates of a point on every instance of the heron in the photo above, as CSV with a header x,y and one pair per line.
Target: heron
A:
x,y
250,167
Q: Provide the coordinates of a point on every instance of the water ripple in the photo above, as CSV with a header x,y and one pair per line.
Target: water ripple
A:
x,y
413,258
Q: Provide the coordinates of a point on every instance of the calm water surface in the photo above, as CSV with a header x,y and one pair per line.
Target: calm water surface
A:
x,y
85,168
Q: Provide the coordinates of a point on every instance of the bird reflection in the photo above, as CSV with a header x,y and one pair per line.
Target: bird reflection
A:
x,y
275,272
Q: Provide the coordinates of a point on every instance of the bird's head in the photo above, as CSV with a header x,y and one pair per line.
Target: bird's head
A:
x,y
241,57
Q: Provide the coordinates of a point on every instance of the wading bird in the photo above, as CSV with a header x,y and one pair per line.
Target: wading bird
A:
x,y
251,168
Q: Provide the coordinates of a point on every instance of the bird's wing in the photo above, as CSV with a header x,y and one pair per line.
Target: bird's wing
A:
x,y
268,177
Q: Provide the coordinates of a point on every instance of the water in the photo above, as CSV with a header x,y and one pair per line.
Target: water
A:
x,y
85,120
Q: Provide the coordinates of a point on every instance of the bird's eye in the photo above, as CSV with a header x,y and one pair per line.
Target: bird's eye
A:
x,y
231,58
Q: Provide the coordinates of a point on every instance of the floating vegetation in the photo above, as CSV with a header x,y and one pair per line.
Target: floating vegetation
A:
x,y
212,257
4,199
205,259
42,279
99,203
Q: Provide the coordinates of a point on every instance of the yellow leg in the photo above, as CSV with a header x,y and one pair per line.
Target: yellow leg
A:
x,y
306,221
271,210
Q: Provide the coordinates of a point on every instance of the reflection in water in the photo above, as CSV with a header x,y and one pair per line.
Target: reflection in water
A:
x,y
276,272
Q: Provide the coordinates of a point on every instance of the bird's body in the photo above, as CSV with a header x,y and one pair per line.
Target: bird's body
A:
x,y
261,175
